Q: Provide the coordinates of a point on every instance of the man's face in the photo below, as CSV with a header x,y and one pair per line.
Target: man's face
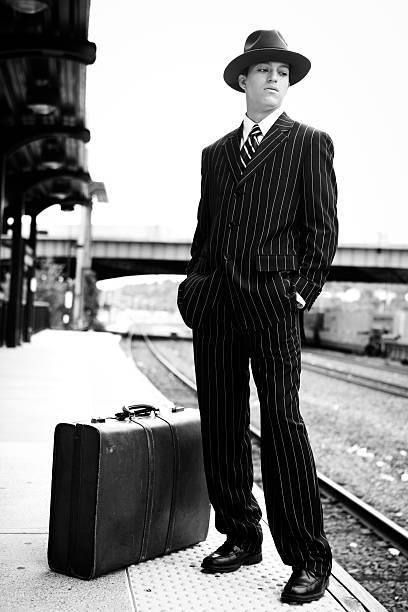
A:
x,y
265,86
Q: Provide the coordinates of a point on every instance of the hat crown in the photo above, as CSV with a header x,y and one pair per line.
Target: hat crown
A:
x,y
266,46
265,39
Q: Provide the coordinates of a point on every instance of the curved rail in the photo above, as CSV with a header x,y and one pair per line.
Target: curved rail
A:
x,y
366,514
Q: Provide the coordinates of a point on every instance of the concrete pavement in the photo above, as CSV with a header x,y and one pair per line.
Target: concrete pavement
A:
x,y
74,376
59,376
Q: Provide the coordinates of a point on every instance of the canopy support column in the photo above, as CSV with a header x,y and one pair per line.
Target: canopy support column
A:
x,y
14,318
30,291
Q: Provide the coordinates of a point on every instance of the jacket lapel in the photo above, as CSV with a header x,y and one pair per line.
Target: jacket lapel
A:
x,y
272,140
232,152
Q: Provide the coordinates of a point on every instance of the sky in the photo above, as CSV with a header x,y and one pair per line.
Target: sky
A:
x,y
156,98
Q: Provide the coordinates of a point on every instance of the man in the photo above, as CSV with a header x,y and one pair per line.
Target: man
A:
x,y
265,238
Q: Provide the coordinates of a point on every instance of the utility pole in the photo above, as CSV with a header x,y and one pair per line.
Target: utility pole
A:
x,y
83,263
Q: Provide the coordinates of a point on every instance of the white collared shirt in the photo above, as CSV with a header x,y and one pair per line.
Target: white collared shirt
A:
x,y
265,125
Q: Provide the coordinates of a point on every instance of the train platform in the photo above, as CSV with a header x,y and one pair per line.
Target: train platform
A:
x,y
74,376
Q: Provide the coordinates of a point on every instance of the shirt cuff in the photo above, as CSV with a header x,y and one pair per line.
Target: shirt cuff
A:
x,y
300,301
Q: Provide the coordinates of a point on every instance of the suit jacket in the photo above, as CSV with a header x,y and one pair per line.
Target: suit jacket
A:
x,y
270,229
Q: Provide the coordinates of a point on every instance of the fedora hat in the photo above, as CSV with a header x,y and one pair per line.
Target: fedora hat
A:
x,y
265,46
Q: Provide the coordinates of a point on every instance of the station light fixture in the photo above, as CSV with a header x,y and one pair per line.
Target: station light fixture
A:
x,y
29,7
42,98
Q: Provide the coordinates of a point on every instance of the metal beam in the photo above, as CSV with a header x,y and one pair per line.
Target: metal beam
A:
x,y
36,206
27,180
356,272
29,45
15,137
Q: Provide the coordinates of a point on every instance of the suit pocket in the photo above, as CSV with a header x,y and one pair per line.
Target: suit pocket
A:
x,y
287,280
275,262
279,270
197,295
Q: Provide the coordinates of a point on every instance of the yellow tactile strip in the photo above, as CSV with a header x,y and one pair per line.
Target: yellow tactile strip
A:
x,y
175,583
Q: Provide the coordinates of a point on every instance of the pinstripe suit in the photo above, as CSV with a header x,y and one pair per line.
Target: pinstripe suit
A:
x,y
262,235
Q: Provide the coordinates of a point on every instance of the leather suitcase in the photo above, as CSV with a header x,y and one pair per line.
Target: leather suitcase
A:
x,y
126,489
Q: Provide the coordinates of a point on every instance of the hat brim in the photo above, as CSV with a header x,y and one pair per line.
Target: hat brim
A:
x,y
299,65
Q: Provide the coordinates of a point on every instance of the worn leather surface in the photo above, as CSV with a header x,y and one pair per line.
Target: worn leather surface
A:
x,y
124,492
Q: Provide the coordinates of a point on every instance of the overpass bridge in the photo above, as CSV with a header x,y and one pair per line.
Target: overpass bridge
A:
x,y
131,253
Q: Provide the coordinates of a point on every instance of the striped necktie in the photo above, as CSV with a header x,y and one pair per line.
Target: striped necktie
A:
x,y
250,145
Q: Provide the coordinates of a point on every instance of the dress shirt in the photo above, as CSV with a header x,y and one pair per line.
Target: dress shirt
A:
x,y
265,125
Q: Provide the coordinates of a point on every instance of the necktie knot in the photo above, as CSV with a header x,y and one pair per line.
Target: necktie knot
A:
x,y
250,145
256,131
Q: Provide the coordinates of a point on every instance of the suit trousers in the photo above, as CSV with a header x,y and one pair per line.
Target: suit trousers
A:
x,y
222,353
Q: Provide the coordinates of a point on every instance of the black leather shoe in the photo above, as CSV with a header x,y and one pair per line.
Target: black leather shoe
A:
x,y
229,558
304,586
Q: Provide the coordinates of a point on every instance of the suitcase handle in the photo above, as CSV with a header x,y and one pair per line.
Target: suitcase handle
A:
x,y
136,410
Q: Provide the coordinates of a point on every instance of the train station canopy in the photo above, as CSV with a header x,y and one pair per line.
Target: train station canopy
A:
x,y
44,52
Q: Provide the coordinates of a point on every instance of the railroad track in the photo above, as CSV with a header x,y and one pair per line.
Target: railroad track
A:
x,y
348,358
358,379
385,528
350,377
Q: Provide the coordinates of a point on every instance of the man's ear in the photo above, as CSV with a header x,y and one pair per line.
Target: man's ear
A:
x,y
242,81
